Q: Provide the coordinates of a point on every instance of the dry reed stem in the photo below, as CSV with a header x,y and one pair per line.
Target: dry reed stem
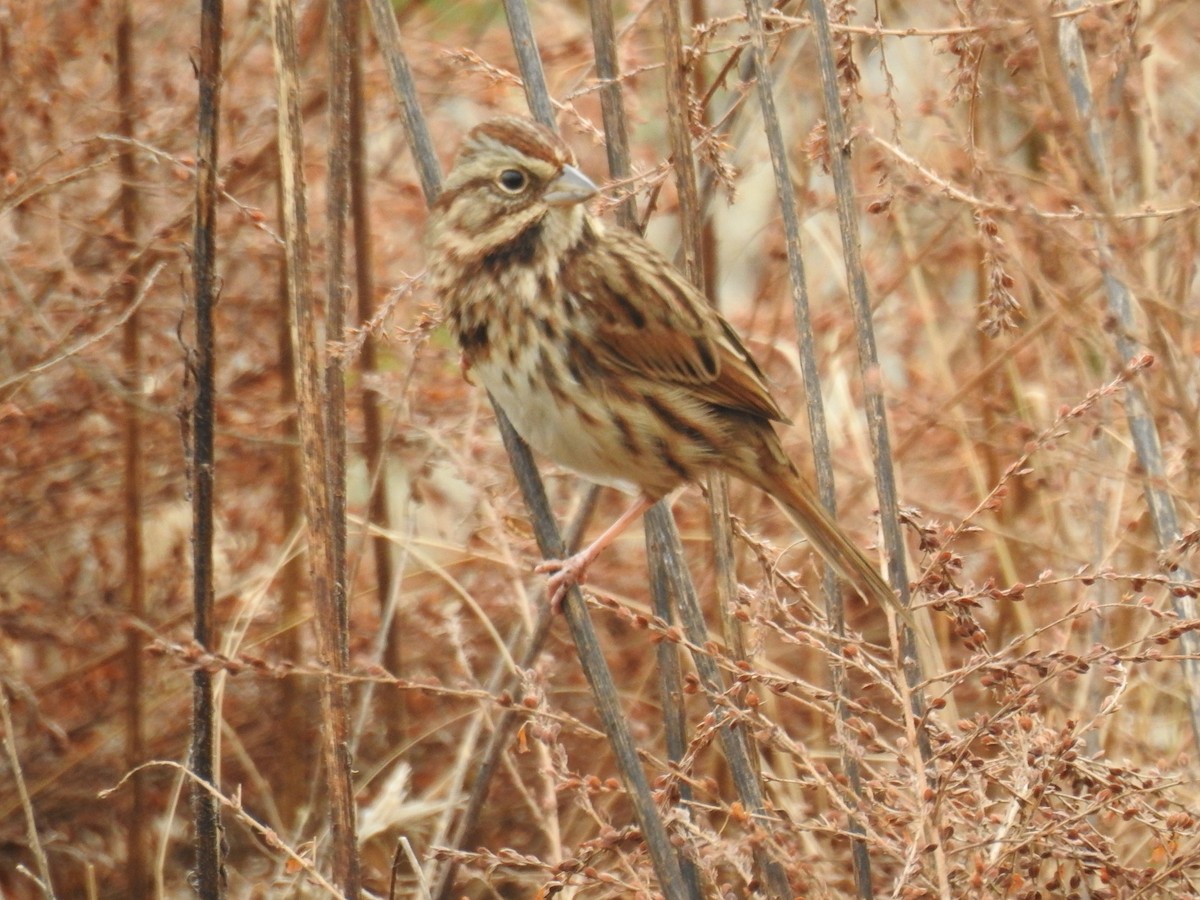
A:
x,y
1060,763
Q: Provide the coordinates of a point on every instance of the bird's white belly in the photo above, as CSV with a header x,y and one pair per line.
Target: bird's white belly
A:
x,y
555,428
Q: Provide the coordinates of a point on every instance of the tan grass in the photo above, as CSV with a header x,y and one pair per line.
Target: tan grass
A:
x,y
1063,758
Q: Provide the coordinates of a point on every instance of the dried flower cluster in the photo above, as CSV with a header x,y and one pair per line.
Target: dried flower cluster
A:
x,y
1005,221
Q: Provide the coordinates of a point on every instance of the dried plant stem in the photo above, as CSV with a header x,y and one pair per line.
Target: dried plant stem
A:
x,y
387,35
337,289
595,669
659,525
739,753
695,209
315,476
14,766
591,657
885,479
520,28
1068,83
742,758
680,133
612,109
818,433
136,874
660,529
294,693
209,878
373,433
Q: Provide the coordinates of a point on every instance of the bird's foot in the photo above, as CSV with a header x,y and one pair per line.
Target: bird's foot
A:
x,y
564,575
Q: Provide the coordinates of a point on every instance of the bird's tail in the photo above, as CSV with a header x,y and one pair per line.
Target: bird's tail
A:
x,y
799,501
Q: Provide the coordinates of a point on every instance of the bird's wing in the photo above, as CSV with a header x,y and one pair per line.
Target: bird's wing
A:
x,y
649,320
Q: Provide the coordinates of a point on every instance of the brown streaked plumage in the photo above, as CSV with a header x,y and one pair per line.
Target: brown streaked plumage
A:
x,y
605,358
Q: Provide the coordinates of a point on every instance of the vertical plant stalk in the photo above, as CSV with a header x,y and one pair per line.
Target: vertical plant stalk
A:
x,y
520,27
294,693
612,109
337,291
698,13
313,421
1068,82
742,758
663,549
868,355
698,239
33,839
545,529
818,433
680,134
654,832
591,657
373,438
744,772
387,34
868,361
595,669
660,527
208,876
702,230
136,873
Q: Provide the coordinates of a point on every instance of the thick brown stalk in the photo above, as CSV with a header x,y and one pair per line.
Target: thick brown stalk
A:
x,y
313,421
208,875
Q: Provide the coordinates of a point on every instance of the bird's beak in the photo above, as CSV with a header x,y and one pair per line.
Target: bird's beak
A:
x,y
569,188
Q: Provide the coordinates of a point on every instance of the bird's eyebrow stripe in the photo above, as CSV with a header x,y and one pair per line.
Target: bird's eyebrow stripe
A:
x,y
532,145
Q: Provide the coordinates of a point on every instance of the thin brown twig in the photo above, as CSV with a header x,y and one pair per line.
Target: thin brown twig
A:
x,y
234,805
32,835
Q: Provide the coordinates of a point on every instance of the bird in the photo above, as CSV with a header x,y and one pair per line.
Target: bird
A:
x,y
603,356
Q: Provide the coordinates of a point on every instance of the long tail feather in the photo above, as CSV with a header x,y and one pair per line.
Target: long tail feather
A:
x,y
800,503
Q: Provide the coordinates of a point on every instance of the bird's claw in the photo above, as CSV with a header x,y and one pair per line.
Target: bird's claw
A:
x,y
564,575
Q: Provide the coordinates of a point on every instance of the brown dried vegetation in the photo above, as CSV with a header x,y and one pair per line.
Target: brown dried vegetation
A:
x,y
1063,761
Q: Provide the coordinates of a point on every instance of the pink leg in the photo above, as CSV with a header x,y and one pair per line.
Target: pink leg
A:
x,y
570,571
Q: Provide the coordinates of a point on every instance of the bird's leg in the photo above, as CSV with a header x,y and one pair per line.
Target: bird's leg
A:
x,y
570,571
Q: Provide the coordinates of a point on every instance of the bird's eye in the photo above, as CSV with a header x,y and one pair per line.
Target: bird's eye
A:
x,y
513,180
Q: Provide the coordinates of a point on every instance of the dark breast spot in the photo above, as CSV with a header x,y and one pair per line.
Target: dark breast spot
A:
x,y
548,373
474,338
521,250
